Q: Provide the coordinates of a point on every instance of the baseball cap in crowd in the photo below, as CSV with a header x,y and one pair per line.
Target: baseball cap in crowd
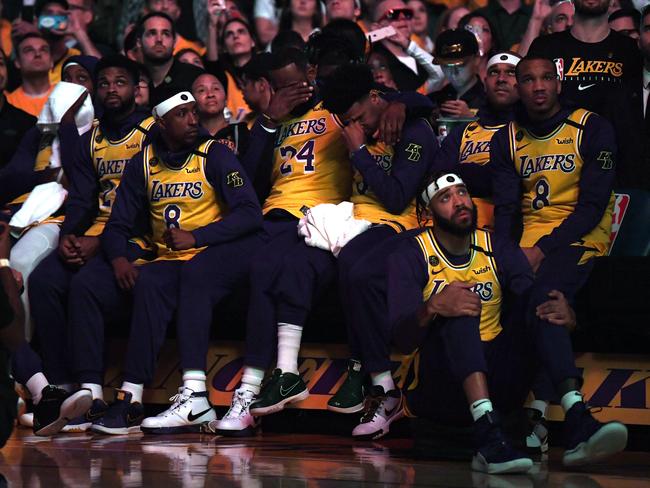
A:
x,y
454,46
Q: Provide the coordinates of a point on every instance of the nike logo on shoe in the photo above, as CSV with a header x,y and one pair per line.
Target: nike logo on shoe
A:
x,y
192,416
581,88
286,392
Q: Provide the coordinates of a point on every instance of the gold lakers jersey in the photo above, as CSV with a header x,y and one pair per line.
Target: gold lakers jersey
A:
x,y
550,169
480,268
366,204
311,164
109,159
180,198
475,149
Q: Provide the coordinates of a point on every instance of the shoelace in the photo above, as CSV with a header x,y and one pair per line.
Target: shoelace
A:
x,y
239,404
178,400
371,408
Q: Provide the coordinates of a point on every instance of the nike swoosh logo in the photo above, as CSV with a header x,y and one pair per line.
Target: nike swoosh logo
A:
x,y
392,411
284,392
479,403
521,147
580,87
192,416
93,416
133,420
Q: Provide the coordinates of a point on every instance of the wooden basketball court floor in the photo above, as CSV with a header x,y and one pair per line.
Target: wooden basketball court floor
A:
x,y
274,460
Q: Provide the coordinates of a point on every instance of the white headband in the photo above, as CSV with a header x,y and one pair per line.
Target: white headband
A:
x,y
179,99
505,57
437,185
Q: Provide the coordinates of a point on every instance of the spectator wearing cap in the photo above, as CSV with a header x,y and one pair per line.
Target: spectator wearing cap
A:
x,y
155,35
14,122
510,20
626,22
456,52
59,28
172,8
34,62
237,45
407,73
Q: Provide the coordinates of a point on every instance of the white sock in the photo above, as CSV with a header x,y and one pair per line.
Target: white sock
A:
x,y
35,385
135,390
480,408
384,379
194,379
251,379
288,347
540,405
570,399
95,389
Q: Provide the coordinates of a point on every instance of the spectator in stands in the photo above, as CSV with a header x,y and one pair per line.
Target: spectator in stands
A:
x,y
450,18
155,36
303,17
420,24
509,18
340,42
595,65
57,34
381,70
480,26
34,61
14,122
80,18
626,22
132,48
406,72
234,49
266,20
343,9
456,51
79,70
144,84
546,19
172,8
190,56
5,34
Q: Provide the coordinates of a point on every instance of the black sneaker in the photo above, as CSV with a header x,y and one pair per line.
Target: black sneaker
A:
x,y
57,407
122,416
494,454
280,389
350,395
588,440
83,422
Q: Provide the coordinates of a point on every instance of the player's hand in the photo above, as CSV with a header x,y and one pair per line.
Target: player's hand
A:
x,y
534,255
5,241
391,123
284,100
69,250
541,9
179,240
87,247
126,273
557,311
455,300
19,28
456,108
353,136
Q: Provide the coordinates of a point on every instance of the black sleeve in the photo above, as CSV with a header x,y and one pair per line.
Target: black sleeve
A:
x,y
18,177
515,273
6,312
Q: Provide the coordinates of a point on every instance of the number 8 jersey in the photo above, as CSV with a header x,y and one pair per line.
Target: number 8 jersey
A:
x,y
550,169
310,163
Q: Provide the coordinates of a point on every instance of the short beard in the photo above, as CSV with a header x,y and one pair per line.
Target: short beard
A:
x,y
454,229
125,107
591,12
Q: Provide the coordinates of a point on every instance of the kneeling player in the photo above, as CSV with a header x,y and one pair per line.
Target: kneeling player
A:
x,y
462,276
203,214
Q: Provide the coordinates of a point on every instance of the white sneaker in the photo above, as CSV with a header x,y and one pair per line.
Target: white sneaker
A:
x,y
238,420
381,410
188,412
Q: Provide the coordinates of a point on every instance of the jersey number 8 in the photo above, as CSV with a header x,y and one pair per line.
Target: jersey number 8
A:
x,y
172,215
542,192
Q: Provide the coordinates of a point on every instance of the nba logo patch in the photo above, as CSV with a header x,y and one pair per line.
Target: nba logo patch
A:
x,y
559,67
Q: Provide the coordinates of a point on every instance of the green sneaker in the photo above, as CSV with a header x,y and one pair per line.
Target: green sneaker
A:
x,y
350,395
279,390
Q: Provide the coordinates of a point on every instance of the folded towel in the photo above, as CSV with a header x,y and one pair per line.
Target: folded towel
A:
x,y
331,227
42,202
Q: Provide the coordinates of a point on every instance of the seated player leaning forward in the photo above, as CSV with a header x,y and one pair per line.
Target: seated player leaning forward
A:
x,y
386,179
203,214
446,290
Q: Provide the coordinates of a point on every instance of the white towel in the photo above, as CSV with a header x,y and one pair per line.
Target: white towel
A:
x,y
42,202
331,227
63,96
